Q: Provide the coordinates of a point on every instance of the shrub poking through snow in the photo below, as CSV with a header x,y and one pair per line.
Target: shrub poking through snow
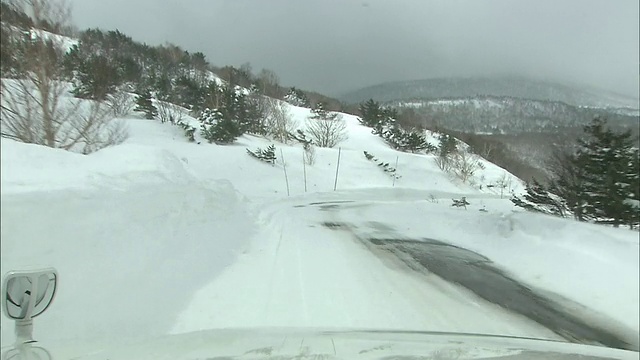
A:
x,y
189,131
307,145
267,155
460,202
326,128
168,112
383,165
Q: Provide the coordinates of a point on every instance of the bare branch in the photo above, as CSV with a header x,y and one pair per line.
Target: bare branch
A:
x,y
168,112
465,165
121,104
327,132
444,162
278,120
36,107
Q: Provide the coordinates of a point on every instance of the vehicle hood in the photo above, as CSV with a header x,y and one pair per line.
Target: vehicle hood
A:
x,y
284,344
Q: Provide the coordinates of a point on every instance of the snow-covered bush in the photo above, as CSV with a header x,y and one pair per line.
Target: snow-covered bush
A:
x,y
267,155
382,165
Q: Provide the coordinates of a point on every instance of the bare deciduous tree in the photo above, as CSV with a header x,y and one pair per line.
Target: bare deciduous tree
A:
x,y
465,165
504,182
278,120
443,161
168,112
486,150
37,108
93,128
121,103
269,84
327,132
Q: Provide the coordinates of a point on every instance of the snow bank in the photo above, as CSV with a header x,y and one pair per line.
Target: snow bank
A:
x,y
129,259
29,168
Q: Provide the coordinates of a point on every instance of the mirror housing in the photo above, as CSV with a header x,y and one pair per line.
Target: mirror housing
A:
x,y
25,295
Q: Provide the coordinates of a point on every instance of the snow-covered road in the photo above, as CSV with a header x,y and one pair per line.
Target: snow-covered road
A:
x,y
300,273
143,261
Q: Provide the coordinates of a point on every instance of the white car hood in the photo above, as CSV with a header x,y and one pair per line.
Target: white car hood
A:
x,y
250,344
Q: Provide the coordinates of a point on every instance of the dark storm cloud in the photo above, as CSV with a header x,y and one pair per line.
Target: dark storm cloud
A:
x,y
337,45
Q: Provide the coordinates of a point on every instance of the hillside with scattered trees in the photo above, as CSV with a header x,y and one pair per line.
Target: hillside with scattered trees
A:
x,y
68,92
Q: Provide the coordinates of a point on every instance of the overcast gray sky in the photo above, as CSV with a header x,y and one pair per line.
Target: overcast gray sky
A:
x,y
336,45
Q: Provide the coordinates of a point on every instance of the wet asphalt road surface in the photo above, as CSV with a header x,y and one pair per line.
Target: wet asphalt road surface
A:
x,y
481,276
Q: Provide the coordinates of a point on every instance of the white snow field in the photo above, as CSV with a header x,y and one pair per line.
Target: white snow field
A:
x,y
159,236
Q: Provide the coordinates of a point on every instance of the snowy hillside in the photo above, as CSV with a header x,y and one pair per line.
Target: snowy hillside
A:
x,y
159,235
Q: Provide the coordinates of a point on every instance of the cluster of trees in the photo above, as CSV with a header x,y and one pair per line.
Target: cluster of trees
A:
x,y
297,97
599,181
265,82
387,123
102,63
384,124
236,114
453,159
120,75
105,62
35,106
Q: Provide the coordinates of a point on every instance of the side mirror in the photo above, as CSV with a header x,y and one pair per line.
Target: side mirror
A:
x,y
27,351
25,295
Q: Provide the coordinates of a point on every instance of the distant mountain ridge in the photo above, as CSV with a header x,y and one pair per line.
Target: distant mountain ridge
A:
x,y
518,87
511,115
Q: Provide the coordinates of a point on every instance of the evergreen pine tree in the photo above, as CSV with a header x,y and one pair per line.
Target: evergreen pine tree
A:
x,y
297,97
370,113
416,142
222,132
608,173
250,115
386,119
319,112
189,131
632,218
448,145
145,105
217,128
368,156
395,136
267,155
539,199
568,182
93,75
235,115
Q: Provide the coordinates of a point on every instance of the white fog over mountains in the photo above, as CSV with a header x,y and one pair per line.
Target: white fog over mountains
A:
x,y
338,46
